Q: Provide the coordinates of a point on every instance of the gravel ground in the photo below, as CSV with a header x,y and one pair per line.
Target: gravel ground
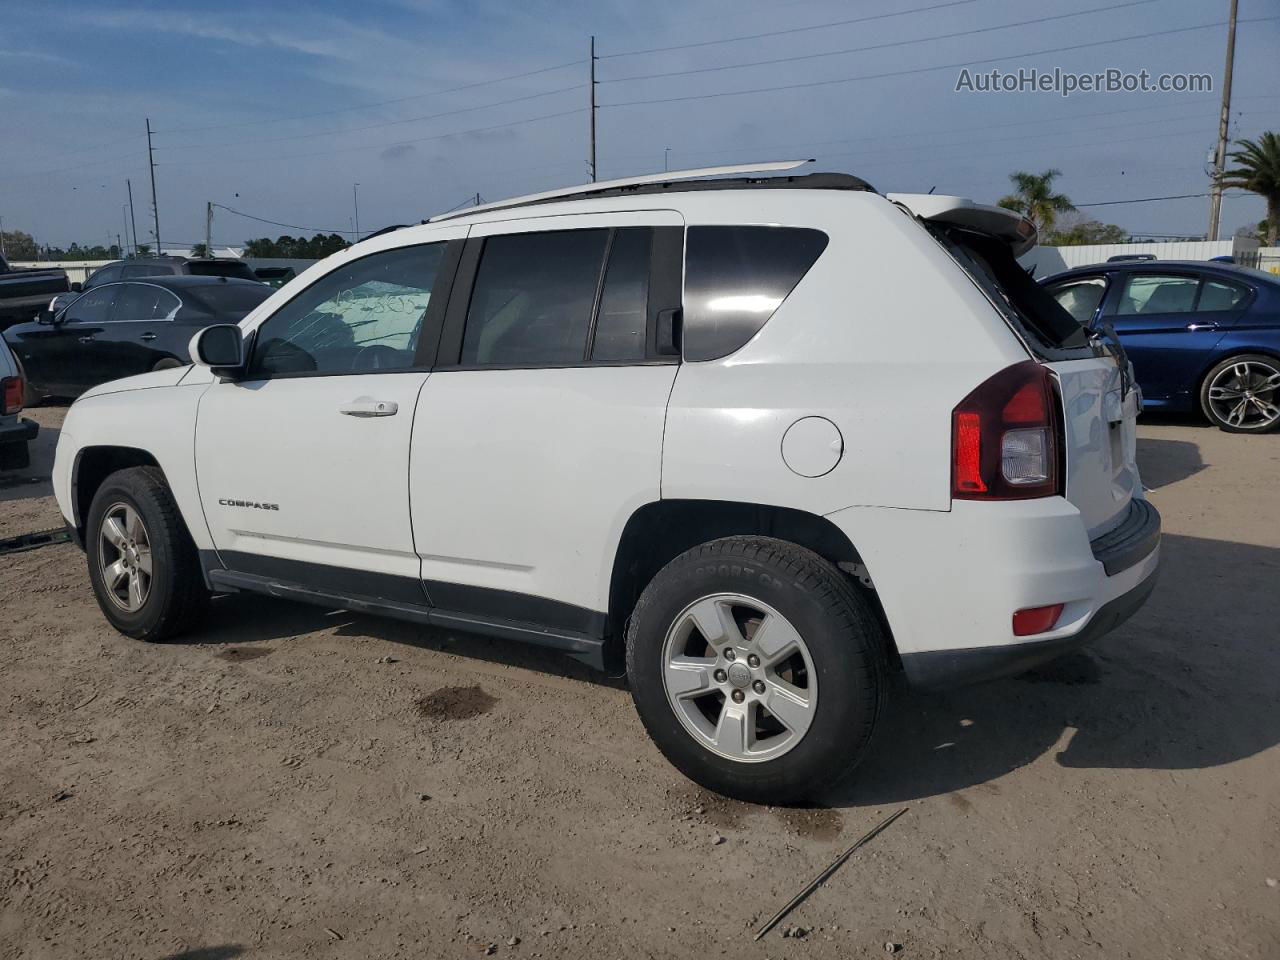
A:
x,y
294,782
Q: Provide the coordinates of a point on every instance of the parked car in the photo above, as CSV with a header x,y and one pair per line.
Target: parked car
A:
x,y
1201,335
138,267
762,442
120,329
24,291
1126,257
15,431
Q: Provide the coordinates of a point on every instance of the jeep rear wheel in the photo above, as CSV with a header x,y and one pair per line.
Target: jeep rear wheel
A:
x,y
142,563
757,669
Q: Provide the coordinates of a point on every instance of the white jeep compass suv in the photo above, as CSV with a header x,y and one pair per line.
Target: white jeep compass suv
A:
x,y
767,441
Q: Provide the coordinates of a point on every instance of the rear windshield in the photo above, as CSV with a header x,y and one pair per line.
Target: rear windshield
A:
x,y
230,300
1047,328
221,268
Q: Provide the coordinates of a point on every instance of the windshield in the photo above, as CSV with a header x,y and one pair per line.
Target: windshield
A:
x,y
221,268
1043,322
235,299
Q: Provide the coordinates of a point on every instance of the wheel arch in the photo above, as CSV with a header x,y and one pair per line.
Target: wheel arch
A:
x,y
93,464
658,532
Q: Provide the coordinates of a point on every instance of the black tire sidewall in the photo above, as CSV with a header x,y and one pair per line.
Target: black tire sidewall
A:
x,y
846,663
1217,368
135,488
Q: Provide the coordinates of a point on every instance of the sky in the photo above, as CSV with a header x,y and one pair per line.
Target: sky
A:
x,y
277,110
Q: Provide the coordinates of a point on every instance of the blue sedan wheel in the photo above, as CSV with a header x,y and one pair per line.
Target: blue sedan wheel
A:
x,y
1242,394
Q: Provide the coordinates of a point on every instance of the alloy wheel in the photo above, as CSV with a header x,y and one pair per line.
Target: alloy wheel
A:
x,y
1243,395
124,557
739,677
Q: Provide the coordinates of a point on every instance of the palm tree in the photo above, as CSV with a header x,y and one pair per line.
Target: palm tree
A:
x,y
1259,172
1036,200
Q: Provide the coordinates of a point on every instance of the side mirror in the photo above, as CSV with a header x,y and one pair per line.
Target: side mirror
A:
x,y
48,318
76,286
220,348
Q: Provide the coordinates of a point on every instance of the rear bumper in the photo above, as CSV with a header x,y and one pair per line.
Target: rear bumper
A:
x,y
942,669
19,431
950,581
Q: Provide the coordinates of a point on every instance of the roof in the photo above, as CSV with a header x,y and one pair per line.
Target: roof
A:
x,y
1147,266
679,181
186,281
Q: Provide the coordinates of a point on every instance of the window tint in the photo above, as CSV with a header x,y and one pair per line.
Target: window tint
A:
x,y
622,321
533,297
735,278
132,271
230,301
92,307
221,268
1155,293
108,274
142,301
362,317
1215,295
1080,298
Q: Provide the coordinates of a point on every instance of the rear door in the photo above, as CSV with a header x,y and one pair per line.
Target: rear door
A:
x,y
1166,330
540,429
141,316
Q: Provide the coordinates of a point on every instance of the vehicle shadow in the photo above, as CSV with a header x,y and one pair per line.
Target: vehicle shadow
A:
x,y
1190,682
224,952
1162,462
245,618
33,481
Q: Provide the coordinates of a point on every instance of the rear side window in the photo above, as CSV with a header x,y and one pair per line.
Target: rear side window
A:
x,y
1215,295
1156,293
735,278
221,268
533,298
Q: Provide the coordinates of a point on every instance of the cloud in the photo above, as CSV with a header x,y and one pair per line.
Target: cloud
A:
x,y
398,151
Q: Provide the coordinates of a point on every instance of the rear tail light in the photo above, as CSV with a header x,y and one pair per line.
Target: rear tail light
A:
x,y
1035,620
11,397
1006,440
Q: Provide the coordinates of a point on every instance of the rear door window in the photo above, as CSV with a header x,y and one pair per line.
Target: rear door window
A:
x,y
1157,293
622,320
142,301
735,278
533,298
1079,296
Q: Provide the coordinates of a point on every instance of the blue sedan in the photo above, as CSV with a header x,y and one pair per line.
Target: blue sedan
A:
x,y
1200,335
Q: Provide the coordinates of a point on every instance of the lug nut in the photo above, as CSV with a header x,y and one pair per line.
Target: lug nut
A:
x,y
721,676
729,654
758,686
753,661
737,696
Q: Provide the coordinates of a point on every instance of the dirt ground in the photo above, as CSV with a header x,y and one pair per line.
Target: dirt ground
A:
x,y
294,782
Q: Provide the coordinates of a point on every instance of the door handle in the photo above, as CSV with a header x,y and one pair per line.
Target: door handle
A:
x,y
147,336
365,407
1202,326
88,338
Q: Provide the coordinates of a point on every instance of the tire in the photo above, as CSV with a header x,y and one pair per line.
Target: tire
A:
x,y
1252,379
173,596
840,668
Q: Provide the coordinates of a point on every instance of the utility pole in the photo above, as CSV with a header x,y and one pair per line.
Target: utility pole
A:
x,y
355,203
2,253
133,222
208,229
1224,121
591,162
666,157
124,218
155,207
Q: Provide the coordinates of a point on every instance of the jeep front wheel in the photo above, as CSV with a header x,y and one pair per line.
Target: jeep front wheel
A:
x,y
757,669
142,563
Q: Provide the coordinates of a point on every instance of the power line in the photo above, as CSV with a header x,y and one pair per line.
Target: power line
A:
x,y
372,126
779,33
882,46
380,103
276,223
941,66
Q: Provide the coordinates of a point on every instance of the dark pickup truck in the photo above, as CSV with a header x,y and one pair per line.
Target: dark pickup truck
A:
x,y
24,292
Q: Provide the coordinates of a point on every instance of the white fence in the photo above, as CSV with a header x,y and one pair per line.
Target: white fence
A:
x,y
77,270
1050,260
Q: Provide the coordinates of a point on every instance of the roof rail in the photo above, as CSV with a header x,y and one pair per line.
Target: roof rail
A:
x,y
675,180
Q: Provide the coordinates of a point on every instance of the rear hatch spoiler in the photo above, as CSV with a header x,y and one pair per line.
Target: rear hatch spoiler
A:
x,y
1007,225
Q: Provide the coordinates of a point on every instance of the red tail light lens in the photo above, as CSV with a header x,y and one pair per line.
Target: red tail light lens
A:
x,y
1035,620
12,395
1006,440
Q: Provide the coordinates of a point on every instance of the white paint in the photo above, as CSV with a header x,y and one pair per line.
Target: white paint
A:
x,y
812,446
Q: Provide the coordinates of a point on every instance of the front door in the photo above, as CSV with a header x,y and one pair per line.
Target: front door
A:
x,y
303,465
59,357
